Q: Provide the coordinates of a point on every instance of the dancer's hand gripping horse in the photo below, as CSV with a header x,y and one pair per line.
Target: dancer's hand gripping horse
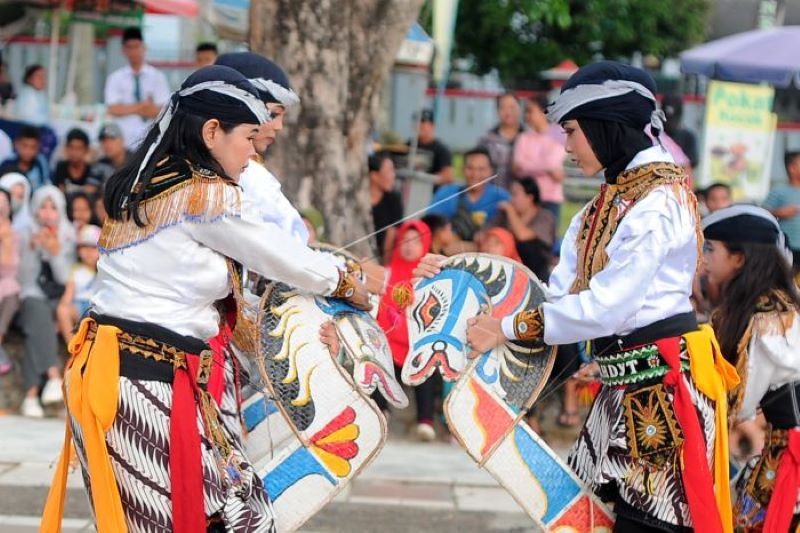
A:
x,y
329,428
485,409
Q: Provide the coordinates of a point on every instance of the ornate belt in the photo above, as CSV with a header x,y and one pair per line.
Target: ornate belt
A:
x,y
159,351
635,365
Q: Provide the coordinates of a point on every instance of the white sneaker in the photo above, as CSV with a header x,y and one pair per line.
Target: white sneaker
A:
x,y
425,432
51,393
31,408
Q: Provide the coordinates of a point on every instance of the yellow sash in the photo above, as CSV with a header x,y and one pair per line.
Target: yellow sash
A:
x,y
92,376
714,377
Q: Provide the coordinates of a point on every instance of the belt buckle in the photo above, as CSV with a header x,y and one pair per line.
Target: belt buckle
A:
x,y
204,368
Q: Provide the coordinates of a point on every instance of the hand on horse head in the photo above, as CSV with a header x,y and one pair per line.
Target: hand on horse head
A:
x,y
429,266
484,333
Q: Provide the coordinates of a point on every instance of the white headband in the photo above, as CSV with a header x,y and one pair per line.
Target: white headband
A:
x,y
285,97
583,94
165,117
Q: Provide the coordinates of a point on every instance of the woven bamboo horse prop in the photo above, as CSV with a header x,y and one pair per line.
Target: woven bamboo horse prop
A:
x,y
485,408
329,429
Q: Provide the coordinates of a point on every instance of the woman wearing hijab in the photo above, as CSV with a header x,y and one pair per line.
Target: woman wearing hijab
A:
x,y
19,188
651,442
47,251
142,394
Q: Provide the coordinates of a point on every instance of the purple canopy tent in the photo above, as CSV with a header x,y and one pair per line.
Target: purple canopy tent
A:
x,y
770,55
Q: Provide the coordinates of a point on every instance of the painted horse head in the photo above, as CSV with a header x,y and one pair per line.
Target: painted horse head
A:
x,y
469,285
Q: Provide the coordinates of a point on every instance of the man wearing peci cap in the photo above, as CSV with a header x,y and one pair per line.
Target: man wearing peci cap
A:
x,y
438,159
115,155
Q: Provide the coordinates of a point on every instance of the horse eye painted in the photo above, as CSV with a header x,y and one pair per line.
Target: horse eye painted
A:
x,y
429,310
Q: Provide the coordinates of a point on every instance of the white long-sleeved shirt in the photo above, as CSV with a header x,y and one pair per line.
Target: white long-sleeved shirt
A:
x,y
773,360
264,191
174,277
652,259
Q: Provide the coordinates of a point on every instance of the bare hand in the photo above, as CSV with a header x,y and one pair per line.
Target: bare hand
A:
x,y
429,266
588,372
484,333
328,337
375,276
48,239
360,298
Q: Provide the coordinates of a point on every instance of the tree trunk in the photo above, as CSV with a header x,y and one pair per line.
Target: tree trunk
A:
x,y
337,54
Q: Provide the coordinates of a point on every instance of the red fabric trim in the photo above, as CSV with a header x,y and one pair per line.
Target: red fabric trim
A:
x,y
216,381
185,464
698,484
784,495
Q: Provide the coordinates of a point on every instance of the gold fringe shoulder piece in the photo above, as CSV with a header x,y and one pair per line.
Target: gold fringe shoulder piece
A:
x,y
601,219
200,198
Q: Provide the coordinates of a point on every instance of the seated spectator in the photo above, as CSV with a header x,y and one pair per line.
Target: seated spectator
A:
x,y
499,241
19,188
205,54
533,227
9,267
80,285
74,173
499,141
31,105
47,253
27,158
539,153
469,207
114,153
79,211
387,206
718,196
435,152
442,235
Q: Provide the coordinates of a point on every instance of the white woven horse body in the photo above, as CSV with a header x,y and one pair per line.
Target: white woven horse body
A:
x,y
485,409
320,428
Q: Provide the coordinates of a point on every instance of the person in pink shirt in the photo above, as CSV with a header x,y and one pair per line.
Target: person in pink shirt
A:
x,y
539,153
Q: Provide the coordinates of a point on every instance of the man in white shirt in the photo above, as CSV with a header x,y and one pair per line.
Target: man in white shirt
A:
x,y
135,94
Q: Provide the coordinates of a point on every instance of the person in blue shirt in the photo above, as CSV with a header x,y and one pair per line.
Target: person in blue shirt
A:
x,y
468,207
28,159
783,202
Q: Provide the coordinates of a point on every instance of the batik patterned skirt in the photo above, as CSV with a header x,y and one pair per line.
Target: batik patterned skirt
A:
x,y
139,448
629,449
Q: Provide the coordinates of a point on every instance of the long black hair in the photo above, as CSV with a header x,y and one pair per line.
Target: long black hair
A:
x,y
183,138
765,269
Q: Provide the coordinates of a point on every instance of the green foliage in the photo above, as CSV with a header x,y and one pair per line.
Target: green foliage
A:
x,y
522,37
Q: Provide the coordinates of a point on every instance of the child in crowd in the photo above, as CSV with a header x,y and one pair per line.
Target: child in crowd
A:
x,y
499,241
9,266
79,210
442,234
74,173
758,328
79,288
413,241
27,158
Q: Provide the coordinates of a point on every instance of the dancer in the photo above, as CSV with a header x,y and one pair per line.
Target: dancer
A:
x,y
142,413
650,442
758,326
256,181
